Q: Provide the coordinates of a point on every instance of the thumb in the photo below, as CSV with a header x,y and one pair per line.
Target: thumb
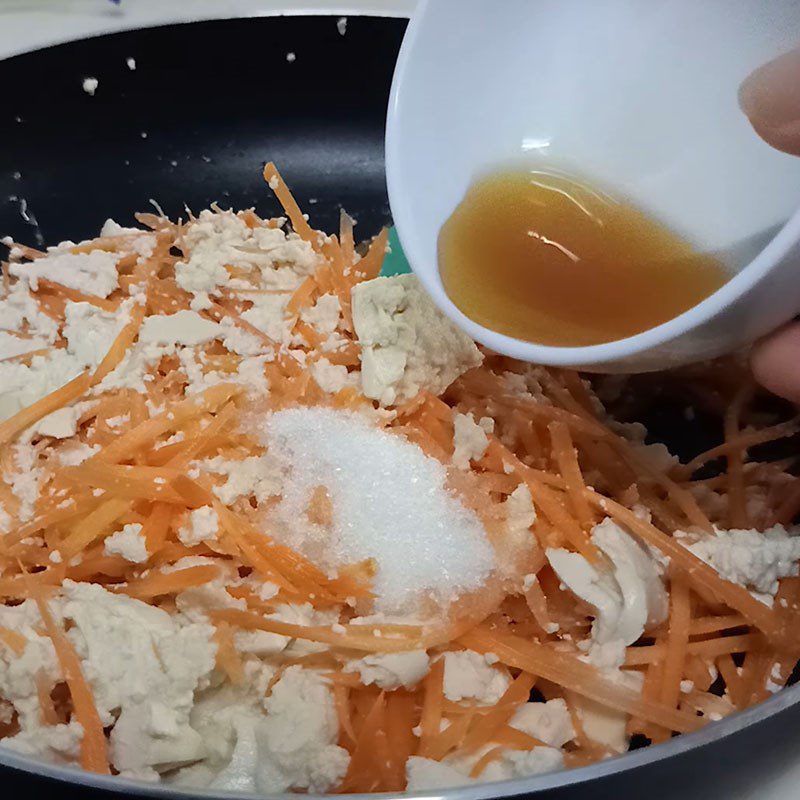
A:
x,y
770,97
775,362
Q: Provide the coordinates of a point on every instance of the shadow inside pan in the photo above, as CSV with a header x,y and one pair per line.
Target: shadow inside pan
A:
x,y
206,105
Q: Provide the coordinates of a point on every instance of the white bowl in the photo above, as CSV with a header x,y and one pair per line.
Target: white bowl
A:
x,y
640,96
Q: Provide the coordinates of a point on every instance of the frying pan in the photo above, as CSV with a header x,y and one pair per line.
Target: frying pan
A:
x,y
207,104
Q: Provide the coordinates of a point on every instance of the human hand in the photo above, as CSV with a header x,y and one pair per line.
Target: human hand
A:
x,y
770,98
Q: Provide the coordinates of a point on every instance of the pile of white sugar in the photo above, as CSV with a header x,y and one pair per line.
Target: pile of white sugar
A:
x,y
389,502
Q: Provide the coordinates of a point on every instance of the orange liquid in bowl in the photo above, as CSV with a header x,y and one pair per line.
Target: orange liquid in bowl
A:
x,y
541,256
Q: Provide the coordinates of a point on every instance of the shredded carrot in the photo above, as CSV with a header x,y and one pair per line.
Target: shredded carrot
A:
x,y
13,639
352,638
677,642
94,749
483,730
568,464
228,658
46,707
120,346
147,472
698,572
299,222
370,265
94,525
13,426
490,755
158,583
574,674
341,700
432,707
364,772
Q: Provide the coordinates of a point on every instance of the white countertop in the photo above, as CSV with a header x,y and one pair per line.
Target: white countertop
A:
x,y
30,24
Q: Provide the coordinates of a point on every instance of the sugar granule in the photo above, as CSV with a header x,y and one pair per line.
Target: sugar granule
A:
x,y
389,501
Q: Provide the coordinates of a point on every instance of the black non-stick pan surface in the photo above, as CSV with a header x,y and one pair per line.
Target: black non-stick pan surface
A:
x,y
207,104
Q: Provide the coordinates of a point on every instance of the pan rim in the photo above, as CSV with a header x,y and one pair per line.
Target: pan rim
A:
x,y
624,763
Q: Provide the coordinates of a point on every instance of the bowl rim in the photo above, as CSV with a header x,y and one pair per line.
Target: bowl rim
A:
x,y
714,732
786,237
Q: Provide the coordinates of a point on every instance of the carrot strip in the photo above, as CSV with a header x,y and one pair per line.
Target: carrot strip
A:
x,y
483,730
490,755
352,638
74,295
708,648
570,470
677,641
22,420
228,658
433,686
370,266
341,701
120,346
285,198
742,442
158,583
13,639
705,625
94,748
46,707
363,773
148,431
156,526
737,505
98,522
571,673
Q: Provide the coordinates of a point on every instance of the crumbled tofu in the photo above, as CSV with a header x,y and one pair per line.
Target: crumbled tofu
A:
x,y
407,343
143,666
59,424
324,315
74,453
90,85
255,476
425,774
89,333
629,598
332,378
548,722
217,240
26,480
96,269
467,675
183,327
469,438
520,513
391,670
202,525
604,725
297,739
128,543
750,558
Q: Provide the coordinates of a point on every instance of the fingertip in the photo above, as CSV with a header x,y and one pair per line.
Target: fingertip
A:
x,y
775,362
770,98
